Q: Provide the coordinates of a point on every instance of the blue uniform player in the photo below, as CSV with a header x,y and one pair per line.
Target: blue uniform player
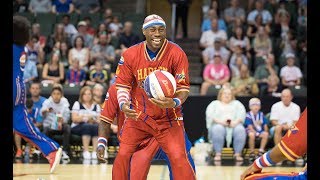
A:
x,y
22,125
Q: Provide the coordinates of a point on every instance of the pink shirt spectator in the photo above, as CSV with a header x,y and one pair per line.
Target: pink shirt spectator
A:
x,y
216,71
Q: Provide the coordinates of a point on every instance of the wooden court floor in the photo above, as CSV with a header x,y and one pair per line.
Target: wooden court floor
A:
x,y
103,172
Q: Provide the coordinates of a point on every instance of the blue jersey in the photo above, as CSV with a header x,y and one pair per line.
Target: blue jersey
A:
x,y
19,90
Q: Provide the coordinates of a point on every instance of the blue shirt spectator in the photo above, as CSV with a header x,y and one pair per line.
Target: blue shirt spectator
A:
x,y
206,25
30,72
257,121
62,6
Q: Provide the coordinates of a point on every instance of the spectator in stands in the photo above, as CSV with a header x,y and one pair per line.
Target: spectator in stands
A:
x,y
53,71
225,117
35,30
115,27
20,6
103,51
62,6
101,28
98,92
90,30
206,23
30,72
252,30
263,71
56,115
283,115
182,10
262,46
82,31
290,74
245,85
288,45
236,56
59,35
209,52
80,52
35,51
86,6
127,37
98,74
64,52
214,4
274,87
85,117
239,38
257,127
235,68
266,16
107,13
75,75
208,37
35,92
234,11
68,27
216,73
40,6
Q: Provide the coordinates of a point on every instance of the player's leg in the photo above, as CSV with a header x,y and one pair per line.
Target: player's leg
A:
x,y
278,176
17,142
26,129
141,159
162,155
133,132
172,140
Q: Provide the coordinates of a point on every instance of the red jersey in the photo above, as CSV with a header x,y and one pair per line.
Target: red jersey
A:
x,y
135,65
110,108
294,143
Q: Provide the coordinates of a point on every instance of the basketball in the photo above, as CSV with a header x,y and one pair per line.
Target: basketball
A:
x,y
160,84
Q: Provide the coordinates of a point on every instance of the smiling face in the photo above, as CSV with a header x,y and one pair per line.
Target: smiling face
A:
x,y
155,36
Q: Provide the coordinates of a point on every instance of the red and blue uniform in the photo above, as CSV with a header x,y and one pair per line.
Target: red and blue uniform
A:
x,y
149,149
22,125
293,145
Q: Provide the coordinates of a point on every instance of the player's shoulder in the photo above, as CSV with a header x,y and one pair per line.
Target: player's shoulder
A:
x,y
131,52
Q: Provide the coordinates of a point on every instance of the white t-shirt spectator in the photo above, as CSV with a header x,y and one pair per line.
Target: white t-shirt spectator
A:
x,y
40,6
292,73
266,16
209,36
285,114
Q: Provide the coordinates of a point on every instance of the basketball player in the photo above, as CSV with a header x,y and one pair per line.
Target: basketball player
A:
x,y
292,146
146,117
22,125
141,160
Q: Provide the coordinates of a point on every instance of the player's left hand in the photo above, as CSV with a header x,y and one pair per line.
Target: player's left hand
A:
x,y
250,170
163,103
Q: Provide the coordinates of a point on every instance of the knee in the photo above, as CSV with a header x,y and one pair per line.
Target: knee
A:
x,y
239,129
264,134
251,135
278,129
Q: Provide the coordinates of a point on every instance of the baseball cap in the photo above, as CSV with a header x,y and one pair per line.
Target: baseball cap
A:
x,y
82,23
290,55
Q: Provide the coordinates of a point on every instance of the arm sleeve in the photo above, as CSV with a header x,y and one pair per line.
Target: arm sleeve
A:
x,y
274,115
181,72
110,107
294,143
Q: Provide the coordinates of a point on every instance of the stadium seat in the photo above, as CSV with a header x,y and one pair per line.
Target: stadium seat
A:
x,y
299,91
46,21
28,15
213,91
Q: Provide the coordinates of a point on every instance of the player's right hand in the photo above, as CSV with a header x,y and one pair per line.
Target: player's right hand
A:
x,y
100,154
130,113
